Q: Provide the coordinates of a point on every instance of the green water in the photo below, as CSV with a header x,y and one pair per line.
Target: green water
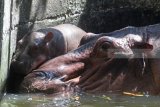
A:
x,y
79,100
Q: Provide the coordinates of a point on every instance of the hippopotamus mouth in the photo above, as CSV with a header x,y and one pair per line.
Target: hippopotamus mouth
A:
x,y
26,66
22,66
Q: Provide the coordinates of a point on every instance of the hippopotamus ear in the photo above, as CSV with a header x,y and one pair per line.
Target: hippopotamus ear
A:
x,y
48,37
143,46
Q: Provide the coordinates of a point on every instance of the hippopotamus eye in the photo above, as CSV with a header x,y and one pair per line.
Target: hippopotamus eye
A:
x,y
106,46
33,50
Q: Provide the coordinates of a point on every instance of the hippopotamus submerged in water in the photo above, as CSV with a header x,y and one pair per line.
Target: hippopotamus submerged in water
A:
x,y
80,65
39,46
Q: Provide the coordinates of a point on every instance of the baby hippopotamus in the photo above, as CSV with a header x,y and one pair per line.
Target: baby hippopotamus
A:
x,y
55,75
39,46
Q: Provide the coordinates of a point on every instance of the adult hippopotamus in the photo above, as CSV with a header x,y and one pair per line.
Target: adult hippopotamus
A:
x,y
140,73
39,46
56,74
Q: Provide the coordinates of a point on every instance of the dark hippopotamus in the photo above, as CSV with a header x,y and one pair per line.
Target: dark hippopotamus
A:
x,y
58,73
44,44
39,46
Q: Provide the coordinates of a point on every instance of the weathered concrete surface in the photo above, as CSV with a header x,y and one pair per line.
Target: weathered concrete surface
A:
x,y
4,40
8,34
13,27
47,9
35,14
1,22
108,15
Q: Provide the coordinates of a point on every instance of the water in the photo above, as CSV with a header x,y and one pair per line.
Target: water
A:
x,y
79,100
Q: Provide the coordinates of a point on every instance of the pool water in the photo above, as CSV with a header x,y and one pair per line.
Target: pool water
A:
x,y
79,100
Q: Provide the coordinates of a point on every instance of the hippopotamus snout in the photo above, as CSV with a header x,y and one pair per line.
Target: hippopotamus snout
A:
x,y
25,64
21,63
48,82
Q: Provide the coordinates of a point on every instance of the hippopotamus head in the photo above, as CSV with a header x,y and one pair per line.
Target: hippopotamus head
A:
x,y
32,50
43,44
128,73
131,44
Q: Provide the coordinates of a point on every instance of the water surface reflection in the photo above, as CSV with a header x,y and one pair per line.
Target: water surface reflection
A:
x,y
79,100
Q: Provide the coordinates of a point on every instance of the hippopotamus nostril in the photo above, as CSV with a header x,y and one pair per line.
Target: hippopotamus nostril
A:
x,y
21,58
40,74
105,46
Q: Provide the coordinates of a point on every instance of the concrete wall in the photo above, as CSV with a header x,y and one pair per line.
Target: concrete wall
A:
x,y
35,14
17,17
98,15
1,25
108,15
4,39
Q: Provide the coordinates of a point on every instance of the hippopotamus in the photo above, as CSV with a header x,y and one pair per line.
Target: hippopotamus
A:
x,y
141,73
64,71
39,46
